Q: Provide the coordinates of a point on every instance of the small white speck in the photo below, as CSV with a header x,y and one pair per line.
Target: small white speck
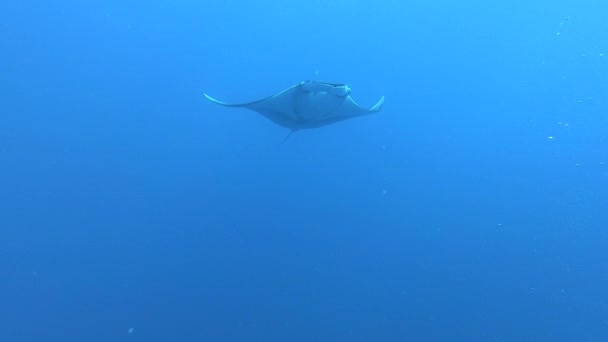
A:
x,y
558,33
550,137
601,55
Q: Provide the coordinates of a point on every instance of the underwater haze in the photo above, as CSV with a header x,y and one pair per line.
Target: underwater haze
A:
x,y
472,207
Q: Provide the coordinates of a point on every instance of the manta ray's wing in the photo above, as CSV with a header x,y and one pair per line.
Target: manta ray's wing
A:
x,y
349,109
278,108
374,109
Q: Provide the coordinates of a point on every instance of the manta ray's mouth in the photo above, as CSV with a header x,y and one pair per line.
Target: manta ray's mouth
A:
x,y
341,90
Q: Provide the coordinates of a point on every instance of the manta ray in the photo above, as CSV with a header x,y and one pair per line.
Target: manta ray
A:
x,y
308,104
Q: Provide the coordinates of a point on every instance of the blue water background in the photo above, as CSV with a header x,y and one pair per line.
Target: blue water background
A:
x,y
473,207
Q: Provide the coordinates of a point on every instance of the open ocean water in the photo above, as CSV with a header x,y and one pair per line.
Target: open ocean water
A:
x,y
472,207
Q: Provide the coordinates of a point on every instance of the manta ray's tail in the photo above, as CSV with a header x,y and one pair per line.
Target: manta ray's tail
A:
x,y
288,135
